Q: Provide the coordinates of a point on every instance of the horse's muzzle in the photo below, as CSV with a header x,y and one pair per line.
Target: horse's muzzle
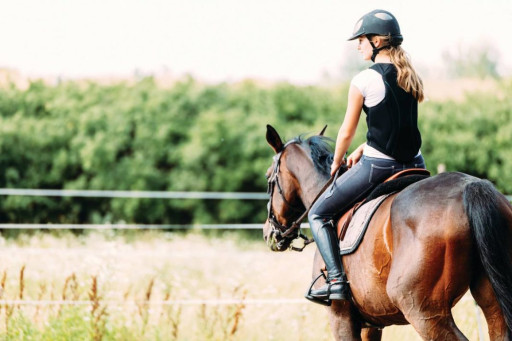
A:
x,y
274,242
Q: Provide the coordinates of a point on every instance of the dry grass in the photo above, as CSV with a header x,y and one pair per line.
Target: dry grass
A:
x,y
162,267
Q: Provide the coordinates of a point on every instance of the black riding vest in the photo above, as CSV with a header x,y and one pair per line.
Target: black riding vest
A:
x,y
393,123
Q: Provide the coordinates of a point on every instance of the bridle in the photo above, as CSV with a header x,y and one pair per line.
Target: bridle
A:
x,y
281,234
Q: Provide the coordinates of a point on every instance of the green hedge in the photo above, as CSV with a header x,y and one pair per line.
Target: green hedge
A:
x,y
195,137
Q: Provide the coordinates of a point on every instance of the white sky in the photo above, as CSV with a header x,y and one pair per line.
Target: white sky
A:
x,y
216,40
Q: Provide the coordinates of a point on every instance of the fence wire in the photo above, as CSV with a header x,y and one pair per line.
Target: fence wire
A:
x,y
139,194
212,302
133,194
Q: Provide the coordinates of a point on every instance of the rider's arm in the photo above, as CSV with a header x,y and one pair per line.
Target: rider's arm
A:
x,y
348,127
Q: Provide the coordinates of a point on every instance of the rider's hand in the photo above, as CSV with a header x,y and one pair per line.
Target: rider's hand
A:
x,y
335,166
354,157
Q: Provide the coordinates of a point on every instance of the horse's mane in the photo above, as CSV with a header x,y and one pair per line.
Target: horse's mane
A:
x,y
321,151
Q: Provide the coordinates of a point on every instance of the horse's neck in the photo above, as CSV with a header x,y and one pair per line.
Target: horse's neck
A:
x,y
309,178
311,184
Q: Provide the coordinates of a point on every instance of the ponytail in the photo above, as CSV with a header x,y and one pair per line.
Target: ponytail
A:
x,y
407,78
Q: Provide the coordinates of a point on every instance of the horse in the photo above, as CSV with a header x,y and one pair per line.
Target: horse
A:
x,y
423,248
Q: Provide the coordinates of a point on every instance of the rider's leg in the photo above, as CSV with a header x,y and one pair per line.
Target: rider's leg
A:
x,y
327,243
345,191
348,189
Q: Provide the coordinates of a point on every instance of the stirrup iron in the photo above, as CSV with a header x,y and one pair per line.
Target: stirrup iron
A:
x,y
326,302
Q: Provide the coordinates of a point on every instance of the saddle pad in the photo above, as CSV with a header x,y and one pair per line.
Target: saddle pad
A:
x,y
358,225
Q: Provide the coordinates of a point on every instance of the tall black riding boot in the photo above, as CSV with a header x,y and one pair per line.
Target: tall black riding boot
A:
x,y
336,287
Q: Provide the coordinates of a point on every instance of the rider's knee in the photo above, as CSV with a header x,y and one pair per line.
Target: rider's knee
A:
x,y
317,221
313,217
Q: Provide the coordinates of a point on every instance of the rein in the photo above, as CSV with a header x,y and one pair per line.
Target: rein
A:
x,y
292,232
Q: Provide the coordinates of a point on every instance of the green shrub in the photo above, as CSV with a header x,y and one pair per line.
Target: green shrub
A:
x,y
195,137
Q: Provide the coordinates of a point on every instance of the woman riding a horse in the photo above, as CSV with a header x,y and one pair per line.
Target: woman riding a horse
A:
x,y
424,246
389,93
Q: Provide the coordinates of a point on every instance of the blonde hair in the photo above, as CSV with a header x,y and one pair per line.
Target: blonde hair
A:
x,y
407,78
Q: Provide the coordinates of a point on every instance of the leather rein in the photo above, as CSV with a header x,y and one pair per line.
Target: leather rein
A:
x,y
288,234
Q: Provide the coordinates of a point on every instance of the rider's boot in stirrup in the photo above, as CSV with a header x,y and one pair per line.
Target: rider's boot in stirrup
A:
x,y
336,287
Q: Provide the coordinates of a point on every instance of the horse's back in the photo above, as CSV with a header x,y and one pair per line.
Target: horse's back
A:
x,y
432,210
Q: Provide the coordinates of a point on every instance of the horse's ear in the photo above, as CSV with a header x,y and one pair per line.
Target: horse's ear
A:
x,y
323,131
273,139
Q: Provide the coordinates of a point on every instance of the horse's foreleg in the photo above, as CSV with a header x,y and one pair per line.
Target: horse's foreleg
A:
x,y
343,325
341,313
485,298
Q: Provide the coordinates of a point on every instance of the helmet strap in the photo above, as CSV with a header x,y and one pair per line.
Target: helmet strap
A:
x,y
376,50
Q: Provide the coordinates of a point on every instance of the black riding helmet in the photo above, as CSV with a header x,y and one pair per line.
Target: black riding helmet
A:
x,y
378,22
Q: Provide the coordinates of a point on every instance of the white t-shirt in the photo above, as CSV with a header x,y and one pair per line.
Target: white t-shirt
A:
x,y
369,82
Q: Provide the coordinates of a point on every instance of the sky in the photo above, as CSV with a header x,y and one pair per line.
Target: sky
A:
x,y
227,40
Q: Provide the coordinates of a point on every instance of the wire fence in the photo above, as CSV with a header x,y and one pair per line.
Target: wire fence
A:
x,y
140,194
137,194
133,194
134,226
213,302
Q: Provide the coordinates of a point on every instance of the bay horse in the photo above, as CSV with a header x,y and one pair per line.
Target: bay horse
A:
x,y
423,248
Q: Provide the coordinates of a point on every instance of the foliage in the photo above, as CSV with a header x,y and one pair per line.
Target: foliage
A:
x,y
475,61
196,137
474,136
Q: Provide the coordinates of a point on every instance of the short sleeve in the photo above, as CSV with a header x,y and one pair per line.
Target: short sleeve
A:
x,y
369,82
360,81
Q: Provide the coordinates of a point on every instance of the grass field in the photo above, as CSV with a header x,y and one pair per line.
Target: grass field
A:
x,y
126,287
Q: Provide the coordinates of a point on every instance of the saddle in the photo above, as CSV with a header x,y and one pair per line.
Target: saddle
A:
x,y
358,223
370,204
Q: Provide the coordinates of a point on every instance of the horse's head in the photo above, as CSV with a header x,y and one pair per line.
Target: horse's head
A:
x,y
293,165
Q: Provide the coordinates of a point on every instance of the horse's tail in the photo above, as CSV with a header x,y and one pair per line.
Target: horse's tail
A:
x,y
484,206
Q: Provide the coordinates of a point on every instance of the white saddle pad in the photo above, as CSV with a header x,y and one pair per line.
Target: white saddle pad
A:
x,y
359,224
